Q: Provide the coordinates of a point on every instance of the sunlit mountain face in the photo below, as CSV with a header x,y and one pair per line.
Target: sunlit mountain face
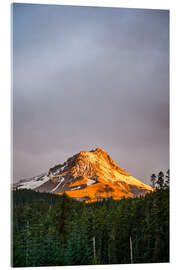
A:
x,y
87,176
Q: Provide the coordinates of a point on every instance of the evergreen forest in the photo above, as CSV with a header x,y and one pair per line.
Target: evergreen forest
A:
x,y
52,230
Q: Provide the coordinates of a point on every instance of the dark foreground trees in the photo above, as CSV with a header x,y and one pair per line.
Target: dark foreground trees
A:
x,y
56,230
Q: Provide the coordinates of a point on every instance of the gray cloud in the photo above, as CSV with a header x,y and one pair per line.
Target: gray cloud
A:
x,y
85,77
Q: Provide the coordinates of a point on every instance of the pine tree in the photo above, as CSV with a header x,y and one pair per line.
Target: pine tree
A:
x,y
153,180
160,180
167,178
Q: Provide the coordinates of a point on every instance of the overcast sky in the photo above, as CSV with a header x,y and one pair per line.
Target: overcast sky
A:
x,y
87,77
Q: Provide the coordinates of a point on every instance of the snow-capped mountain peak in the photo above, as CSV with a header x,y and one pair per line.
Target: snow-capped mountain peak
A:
x,y
87,176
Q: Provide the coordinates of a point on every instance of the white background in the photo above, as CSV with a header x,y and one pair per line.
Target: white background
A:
x,y
5,120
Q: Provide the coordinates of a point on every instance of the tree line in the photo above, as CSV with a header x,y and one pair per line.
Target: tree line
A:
x,y
51,230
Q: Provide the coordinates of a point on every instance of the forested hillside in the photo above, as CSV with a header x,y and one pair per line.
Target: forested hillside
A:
x,y
57,230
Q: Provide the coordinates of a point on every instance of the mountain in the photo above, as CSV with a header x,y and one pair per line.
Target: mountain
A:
x,y
87,176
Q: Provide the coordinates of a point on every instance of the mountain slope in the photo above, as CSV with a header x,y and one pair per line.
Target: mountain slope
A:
x,y
87,176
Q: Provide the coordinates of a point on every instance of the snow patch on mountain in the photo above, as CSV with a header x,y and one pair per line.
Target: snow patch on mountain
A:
x,y
78,187
59,183
90,182
34,182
